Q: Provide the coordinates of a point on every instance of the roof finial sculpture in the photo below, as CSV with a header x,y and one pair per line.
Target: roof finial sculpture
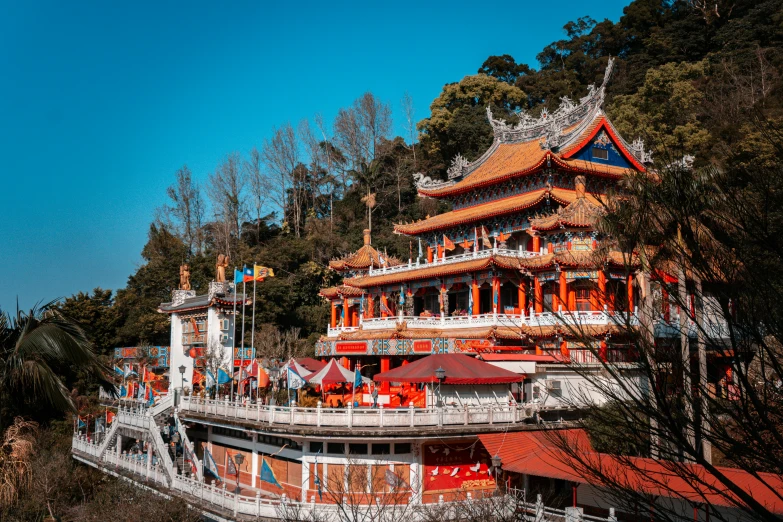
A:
x,y
567,115
458,165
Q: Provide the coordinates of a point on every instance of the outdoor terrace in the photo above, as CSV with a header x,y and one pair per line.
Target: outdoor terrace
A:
x,y
354,421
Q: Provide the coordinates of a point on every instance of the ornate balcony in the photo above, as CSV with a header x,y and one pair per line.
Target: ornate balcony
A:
x,y
572,319
467,256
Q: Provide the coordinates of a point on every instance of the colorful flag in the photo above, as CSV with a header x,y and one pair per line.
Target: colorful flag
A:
x,y
110,416
357,379
295,380
130,372
485,238
262,272
119,371
189,458
81,423
123,391
222,376
448,244
210,379
470,301
266,474
247,274
466,244
231,468
317,480
384,308
475,240
141,392
238,276
402,297
209,464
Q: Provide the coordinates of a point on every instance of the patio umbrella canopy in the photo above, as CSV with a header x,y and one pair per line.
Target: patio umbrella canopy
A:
x,y
460,369
333,373
298,368
312,365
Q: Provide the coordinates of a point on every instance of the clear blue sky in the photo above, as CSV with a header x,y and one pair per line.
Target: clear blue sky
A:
x,y
101,103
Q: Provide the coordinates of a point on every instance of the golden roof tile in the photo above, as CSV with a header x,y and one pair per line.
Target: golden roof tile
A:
x,y
487,210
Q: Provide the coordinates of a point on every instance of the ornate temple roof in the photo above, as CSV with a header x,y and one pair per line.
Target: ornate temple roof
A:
x,y
483,211
581,213
434,270
563,258
363,258
334,292
550,140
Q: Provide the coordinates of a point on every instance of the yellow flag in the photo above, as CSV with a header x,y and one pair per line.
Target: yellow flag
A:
x,y
262,272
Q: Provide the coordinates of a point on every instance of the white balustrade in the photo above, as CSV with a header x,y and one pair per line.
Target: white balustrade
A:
x,y
466,256
355,417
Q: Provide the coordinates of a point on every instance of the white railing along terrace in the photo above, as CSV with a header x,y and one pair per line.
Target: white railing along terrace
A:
x,y
350,417
467,256
532,319
134,463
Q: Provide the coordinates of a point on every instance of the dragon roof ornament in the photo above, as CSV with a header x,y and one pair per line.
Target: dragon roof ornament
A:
x,y
549,126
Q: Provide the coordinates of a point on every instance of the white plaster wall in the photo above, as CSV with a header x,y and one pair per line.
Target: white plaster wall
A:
x,y
177,357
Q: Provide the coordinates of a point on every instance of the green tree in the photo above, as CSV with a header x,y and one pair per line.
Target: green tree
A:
x,y
461,105
36,348
504,68
666,109
96,314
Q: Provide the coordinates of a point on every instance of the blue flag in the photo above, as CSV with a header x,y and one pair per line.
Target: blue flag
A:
x,y
295,380
238,276
119,371
210,379
81,424
123,391
209,464
222,376
357,379
267,475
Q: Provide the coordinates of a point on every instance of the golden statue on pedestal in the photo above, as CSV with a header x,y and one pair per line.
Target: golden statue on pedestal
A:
x,y
222,264
184,277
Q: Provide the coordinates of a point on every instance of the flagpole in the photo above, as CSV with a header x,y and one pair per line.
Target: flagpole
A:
x,y
244,293
233,337
252,329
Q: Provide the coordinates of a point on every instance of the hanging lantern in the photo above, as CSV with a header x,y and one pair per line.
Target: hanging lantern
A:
x,y
193,353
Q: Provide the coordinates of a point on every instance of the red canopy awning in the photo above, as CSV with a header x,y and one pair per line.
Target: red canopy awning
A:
x,y
460,369
312,365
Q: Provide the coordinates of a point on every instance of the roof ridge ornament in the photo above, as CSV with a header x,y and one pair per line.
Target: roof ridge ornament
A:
x,y
637,148
458,166
566,115
425,182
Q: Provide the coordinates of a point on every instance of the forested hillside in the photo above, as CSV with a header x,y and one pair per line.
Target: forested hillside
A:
x,y
689,79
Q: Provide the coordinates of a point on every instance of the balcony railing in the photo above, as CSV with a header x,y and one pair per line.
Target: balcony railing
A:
x,y
137,464
573,319
358,417
467,256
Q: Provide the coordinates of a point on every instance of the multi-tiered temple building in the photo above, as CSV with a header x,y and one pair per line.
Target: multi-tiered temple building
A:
x,y
517,272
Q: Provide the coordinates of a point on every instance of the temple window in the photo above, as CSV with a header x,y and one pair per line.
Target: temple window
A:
x,y
401,448
336,448
381,449
601,154
316,447
509,298
582,292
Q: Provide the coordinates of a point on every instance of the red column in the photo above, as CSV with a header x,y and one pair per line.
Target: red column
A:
x,y
630,293
594,298
536,244
602,351
440,252
571,299
564,291
539,295
429,254
385,367
346,363
555,297
521,297
601,289
564,349
354,316
550,247
384,305
370,310
333,322
476,303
